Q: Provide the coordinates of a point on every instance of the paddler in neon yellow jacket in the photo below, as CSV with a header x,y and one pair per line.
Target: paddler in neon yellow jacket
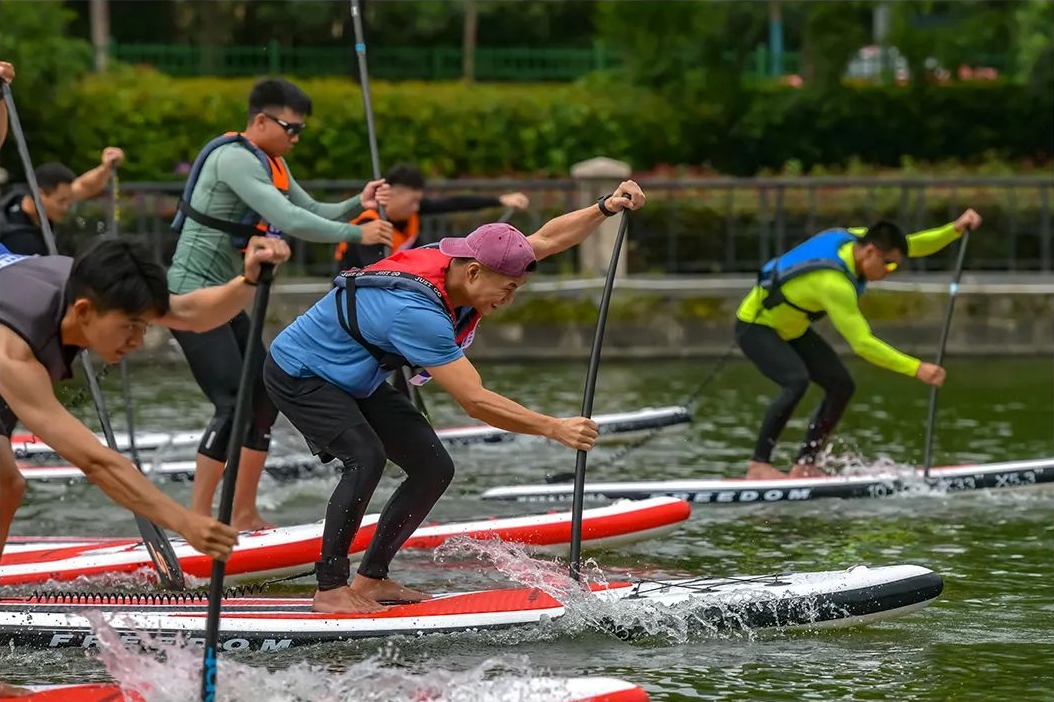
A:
x,y
825,276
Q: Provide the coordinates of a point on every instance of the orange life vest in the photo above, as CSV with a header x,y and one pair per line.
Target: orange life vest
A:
x,y
403,238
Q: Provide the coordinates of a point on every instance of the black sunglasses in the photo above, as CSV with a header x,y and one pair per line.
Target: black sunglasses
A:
x,y
291,128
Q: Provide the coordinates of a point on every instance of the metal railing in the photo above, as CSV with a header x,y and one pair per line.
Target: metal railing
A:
x,y
692,225
505,64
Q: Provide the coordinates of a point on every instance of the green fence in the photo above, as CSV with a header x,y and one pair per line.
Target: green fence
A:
x,y
393,63
504,64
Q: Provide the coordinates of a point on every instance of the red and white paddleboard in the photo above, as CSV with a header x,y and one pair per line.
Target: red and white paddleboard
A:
x,y
780,602
532,690
286,550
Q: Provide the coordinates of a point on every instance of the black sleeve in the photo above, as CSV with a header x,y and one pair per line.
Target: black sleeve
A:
x,y
457,203
24,241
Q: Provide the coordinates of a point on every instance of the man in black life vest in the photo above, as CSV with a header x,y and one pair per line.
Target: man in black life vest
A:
x,y
60,189
52,308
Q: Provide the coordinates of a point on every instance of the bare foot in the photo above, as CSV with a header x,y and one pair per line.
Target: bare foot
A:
x,y
757,470
344,600
386,590
12,691
250,521
806,471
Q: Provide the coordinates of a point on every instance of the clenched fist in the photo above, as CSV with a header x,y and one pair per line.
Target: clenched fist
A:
x,y
578,433
377,232
968,220
210,536
931,374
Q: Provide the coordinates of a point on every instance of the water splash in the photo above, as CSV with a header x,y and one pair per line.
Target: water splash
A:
x,y
677,616
173,674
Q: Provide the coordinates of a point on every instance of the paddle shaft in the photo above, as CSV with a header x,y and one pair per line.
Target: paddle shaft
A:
x,y
251,366
578,504
126,383
406,386
953,291
169,572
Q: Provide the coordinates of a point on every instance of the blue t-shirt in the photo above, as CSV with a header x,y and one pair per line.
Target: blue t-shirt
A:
x,y
398,321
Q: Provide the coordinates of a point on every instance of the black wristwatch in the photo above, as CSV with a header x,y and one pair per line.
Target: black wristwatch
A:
x,y
603,210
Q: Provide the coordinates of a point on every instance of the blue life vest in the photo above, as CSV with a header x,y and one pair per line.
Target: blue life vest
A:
x,y
7,258
817,253
251,224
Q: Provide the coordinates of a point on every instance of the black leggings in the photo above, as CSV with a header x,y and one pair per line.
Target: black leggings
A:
x,y
363,434
215,359
791,365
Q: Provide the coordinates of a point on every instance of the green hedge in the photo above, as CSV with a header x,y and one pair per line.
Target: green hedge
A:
x,y
445,127
489,130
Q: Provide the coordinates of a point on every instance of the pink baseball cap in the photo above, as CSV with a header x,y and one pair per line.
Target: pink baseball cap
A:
x,y
500,247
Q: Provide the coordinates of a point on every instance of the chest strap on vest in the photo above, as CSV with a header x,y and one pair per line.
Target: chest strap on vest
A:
x,y
773,282
774,285
349,321
239,232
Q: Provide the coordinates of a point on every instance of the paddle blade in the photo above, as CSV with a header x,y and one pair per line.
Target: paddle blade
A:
x,y
169,571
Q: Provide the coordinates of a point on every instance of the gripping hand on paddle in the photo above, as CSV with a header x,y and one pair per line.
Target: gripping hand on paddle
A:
x,y
627,196
931,374
112,156
375,194
968,220
579,433
377,232
264,249
210,536
7,72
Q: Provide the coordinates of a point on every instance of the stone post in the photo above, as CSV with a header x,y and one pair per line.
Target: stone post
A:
x,y
599,176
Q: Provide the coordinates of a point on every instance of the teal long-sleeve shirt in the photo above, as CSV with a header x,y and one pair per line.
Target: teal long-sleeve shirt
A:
x,y
232,182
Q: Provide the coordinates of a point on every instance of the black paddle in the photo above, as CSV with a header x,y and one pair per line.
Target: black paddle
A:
x,y
169,572
587,399
403,383
126,383
953,291
251,365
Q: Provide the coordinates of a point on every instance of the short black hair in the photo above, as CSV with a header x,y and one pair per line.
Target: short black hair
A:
x,y
406,175
121,275
886,236
277,93
52,175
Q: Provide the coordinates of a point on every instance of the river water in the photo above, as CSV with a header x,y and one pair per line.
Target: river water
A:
x,y
990,636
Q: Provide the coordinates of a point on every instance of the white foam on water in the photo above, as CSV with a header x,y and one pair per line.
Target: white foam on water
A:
x,y
703,615
172,673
